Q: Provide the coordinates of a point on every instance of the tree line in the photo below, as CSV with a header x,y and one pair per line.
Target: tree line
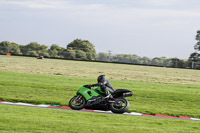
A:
x,y
78,49
84,50
135,59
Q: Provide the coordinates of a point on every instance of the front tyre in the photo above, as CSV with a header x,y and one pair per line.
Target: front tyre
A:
x,y
77,102
120,106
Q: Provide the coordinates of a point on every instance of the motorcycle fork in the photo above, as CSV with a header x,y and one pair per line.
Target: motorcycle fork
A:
x,y
78,98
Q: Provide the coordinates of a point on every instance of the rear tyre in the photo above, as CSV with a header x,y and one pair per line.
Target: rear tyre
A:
x,y
120,106
77,102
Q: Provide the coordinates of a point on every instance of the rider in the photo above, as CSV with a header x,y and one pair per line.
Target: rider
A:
x,y
105,85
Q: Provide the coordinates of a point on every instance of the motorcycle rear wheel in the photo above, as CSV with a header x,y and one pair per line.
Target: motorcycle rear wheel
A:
x,y
120,106
77,102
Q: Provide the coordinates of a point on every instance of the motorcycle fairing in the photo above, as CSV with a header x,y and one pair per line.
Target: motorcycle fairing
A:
x,y
86,93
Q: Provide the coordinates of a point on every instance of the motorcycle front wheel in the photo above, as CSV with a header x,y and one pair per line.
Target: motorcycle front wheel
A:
x,y
120,106
77,102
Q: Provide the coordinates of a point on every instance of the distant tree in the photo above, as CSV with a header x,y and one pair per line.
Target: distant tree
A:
x,y
56,51
155,61
23,49
14,49
90,56
85,46
5,47
194,56
43,53
136,59
161,61
187,64
103,56
146,60
119,58
69,54
175,62
41,50
9,47
55,47
36,46
53,53
197,45
32,53
167,62
81,55
127,58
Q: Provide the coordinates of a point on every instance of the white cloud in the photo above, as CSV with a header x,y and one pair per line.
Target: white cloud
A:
x,y
35,3
105,9
163,2
166,13
109,14
52,4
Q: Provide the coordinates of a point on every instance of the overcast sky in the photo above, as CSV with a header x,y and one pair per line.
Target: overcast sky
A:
x,y
152,28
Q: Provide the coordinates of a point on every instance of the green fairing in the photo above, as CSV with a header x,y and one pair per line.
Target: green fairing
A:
x,y
99,89
88,93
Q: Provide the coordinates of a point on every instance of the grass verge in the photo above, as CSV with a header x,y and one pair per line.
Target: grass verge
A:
x,y
17,119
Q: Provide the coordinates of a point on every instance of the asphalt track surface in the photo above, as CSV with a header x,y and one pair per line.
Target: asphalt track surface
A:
x,y
97,111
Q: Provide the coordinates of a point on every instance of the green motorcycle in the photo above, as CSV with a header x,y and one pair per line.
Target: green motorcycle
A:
x,y
87,98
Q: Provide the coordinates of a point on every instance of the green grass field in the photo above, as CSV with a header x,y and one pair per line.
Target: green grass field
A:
x,y
156,90
150,98
16,119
